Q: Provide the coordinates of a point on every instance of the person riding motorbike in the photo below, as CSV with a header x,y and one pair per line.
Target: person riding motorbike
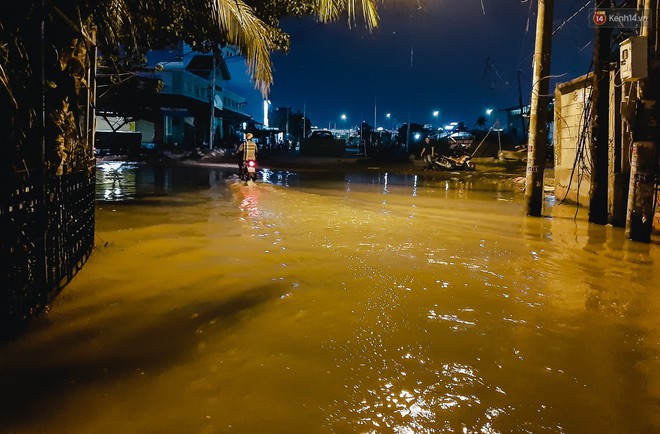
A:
x,y
247,151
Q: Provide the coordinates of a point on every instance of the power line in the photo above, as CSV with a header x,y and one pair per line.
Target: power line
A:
x,y
566,21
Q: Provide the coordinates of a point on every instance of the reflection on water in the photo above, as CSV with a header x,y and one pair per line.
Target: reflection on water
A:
x,y
314,302
116,180
120,181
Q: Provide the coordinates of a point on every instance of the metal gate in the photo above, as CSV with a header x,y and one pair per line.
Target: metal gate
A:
x,y
47,165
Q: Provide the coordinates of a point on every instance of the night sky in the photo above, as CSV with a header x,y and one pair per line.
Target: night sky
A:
x,y
426,55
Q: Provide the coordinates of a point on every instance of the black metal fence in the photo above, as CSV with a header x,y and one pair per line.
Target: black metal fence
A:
x,y
47,235
47,166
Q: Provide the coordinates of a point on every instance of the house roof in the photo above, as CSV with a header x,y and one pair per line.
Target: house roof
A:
x,y
201,64
182,105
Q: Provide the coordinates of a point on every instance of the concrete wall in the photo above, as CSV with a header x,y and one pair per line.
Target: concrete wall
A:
x,y
572,141
147,129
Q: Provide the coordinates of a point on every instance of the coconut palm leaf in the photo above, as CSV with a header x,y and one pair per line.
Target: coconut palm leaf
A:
x,y
133,26
330,10
251,35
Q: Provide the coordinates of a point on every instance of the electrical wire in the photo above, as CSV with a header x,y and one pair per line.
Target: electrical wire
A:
x,y
560,27
567,20
581,164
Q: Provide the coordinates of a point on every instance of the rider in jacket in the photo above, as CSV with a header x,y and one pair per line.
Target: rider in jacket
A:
x,y
247,151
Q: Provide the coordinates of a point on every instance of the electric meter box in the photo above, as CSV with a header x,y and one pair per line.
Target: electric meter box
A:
x,y
633,54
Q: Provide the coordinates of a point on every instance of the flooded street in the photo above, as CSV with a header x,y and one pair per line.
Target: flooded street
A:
x,y
320,303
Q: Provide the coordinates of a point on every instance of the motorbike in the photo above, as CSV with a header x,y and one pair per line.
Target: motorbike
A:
x,y
249,170
455,157
453,162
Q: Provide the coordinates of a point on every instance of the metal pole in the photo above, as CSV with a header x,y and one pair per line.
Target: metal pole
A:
x,y
211,123
538,116
408,135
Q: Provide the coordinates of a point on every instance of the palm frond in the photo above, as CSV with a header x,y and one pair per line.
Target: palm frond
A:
x,y
4,77
330,10
251,35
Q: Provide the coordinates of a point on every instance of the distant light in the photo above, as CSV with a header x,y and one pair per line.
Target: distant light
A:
x,y
379,129
436,113
266,110
454,124
388,115
343,117
489,111
418,136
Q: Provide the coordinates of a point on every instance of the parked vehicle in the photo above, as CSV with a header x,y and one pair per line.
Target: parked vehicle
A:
x,y
322,143
321,134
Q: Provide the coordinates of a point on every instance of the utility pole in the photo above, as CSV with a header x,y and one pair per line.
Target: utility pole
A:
x,y
375,119
622,120
598,199
644,161
212,119
618,159
538,116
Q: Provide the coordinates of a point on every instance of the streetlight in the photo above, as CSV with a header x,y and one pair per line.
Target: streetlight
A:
x,y
348,131
305,114
393,119
489,111
436,115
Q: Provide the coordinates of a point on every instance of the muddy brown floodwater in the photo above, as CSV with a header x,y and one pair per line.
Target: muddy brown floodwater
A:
x,y
325,302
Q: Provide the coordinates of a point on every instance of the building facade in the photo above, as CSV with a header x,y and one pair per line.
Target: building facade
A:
x,y
196,110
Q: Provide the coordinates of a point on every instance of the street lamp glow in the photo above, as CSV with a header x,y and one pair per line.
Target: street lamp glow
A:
x,y
266,112
348,130
489,111
389,115
436,113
